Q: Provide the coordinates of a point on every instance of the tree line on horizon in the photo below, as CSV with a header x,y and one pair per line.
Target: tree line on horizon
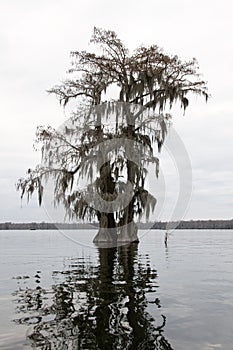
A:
x,y
160,225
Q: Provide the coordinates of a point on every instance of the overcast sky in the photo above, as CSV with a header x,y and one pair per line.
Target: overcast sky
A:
x,y
35,40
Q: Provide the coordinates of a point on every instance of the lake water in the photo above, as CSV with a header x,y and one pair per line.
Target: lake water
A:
x,y
57,293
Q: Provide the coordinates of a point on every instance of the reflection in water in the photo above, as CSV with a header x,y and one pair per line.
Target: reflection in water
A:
x,y
95,307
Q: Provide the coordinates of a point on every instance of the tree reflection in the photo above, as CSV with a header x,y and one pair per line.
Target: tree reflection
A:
x,y
96,307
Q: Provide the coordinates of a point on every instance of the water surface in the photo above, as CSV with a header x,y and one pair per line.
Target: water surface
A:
x,y
58,294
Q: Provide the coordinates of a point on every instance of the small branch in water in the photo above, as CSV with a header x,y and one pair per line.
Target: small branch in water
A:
x,y
165,239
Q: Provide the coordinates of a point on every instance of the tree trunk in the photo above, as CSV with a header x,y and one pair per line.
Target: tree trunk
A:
x,y
107,233
129,229
126,231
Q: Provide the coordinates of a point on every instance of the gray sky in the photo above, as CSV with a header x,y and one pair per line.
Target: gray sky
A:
x,y
35,40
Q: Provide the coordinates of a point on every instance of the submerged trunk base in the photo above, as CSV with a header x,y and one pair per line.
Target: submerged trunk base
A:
x,y
128,233
106,237
111,237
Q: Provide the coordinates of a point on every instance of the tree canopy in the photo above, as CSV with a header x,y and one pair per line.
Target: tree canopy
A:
x,y
112,141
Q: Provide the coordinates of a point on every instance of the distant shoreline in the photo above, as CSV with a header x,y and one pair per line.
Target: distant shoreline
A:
x,y
160,225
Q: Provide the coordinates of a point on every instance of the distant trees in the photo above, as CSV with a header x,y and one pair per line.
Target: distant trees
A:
x,y
160,225
112,141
